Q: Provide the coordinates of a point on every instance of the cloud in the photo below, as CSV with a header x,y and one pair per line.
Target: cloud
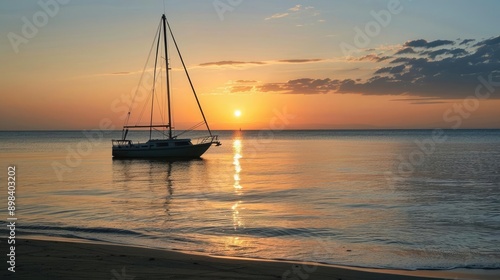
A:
x,y
489,42
230,62
272,87
390,70
452,52
121,73
467,41
300,60
433,69
384,58
278,15
428,102
421,43
301,86
235,89
405,51
295,11
296,8
422,101
369,57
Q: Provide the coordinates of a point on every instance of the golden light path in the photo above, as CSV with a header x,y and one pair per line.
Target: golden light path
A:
x,y
237,223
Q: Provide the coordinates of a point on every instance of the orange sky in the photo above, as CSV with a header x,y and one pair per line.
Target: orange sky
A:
x,y
76,72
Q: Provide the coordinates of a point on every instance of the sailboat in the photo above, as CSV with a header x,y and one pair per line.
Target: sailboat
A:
x,y
170,146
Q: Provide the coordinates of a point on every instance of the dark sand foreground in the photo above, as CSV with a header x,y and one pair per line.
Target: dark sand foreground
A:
x,y
42,259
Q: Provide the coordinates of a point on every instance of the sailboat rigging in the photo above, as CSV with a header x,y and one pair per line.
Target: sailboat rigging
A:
x,y
172,146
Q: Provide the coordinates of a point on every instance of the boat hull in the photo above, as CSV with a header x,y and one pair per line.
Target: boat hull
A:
x,y
183,152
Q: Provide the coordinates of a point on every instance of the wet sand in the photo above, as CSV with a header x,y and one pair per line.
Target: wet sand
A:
x,y
51,259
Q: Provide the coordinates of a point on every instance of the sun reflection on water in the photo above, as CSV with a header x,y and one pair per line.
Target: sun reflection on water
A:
x,y
237,155
237,145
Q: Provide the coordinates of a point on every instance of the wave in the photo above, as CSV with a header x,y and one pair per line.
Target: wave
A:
x,y
80,229
84,233
136,238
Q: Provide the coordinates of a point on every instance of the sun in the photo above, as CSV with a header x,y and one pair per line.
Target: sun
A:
x,y
237,113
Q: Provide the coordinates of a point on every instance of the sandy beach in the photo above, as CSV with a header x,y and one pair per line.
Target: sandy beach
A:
x,y
50,259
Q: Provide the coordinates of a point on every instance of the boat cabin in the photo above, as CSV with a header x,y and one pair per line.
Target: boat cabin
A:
x,y
156,143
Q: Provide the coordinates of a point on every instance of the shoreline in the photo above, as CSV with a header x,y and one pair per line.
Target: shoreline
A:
x,y
46,258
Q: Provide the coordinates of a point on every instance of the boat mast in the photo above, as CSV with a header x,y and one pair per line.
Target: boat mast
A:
x,y
153,92
164,19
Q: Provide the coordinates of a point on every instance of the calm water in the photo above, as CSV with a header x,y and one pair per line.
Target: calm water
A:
x,y
359,198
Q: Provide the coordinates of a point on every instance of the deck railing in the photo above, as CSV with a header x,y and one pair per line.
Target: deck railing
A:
x,y
207,139
121,143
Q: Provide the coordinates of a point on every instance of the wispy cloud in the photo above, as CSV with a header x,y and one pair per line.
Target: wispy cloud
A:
x,y
289,12
121,73
297,11
467,41
422,101
300,60
296,8
239,88
278,15
405,51
369,57
302,86
231,63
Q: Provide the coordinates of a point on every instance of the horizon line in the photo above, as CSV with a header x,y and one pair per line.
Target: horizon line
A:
x,y
243,130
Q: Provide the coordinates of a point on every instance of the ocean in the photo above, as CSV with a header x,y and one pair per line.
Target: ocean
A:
x,y
399,199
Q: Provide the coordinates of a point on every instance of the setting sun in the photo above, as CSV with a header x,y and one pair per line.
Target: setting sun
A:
x,y
237,113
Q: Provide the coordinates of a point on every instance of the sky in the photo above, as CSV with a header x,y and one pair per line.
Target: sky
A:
x,y
284,64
